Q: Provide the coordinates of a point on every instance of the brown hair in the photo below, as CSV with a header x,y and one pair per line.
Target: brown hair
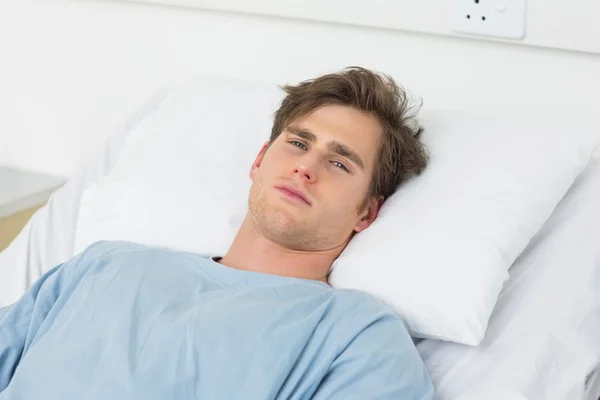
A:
x,y
401,153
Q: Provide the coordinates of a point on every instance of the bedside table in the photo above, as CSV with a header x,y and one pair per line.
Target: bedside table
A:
x,y
21,194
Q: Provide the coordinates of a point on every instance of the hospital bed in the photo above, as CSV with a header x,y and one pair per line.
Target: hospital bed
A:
x,y
543,340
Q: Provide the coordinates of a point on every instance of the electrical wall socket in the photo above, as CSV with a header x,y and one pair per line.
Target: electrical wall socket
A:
x,y
496,18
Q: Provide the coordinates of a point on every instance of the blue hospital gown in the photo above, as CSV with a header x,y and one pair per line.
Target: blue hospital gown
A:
x,y
126,321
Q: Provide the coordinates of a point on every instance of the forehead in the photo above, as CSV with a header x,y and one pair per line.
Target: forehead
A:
x,y
359,131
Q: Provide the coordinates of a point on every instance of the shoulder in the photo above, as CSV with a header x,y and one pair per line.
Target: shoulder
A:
x,y
117,254
114,247
376,353
362,312
361,304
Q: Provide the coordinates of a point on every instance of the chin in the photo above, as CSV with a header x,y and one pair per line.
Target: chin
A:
x,y
282,219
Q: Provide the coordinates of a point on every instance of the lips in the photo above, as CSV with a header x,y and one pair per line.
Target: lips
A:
x,y
293,191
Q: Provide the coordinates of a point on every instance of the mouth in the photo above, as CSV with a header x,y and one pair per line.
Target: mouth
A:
x,y
293,194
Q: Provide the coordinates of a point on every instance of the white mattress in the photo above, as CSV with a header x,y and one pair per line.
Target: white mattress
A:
x,y
543,341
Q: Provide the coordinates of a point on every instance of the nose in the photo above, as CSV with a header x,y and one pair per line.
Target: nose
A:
x,y
305,173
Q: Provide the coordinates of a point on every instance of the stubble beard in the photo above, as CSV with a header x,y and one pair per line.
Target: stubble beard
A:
x,y
280,225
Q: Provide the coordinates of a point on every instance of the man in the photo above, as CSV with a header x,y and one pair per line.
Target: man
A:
x,y
125,321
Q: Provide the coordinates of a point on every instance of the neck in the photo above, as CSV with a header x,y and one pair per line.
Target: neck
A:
x,y
251,251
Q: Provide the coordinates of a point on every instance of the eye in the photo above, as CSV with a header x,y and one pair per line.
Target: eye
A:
x,y
295,143
340,165
303,147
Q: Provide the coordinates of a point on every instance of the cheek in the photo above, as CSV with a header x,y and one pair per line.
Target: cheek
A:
x,y
271,163
262,172
342,203
355,197
352,190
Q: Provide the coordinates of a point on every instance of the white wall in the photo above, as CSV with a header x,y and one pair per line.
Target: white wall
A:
x,y
558,24
71,71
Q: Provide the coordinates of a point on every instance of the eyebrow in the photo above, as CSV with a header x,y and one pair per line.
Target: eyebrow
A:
x,y
333,146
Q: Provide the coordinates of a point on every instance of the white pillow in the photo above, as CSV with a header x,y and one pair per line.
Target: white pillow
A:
x,y
182,180
441,248
445,241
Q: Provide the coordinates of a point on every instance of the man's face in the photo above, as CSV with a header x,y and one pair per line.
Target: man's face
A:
x,y
329,156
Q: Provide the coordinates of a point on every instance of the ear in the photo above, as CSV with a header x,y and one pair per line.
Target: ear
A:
x,y
369,214
258,160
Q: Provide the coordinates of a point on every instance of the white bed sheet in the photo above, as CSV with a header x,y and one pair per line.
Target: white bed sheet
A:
x,y
543,339
592,391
